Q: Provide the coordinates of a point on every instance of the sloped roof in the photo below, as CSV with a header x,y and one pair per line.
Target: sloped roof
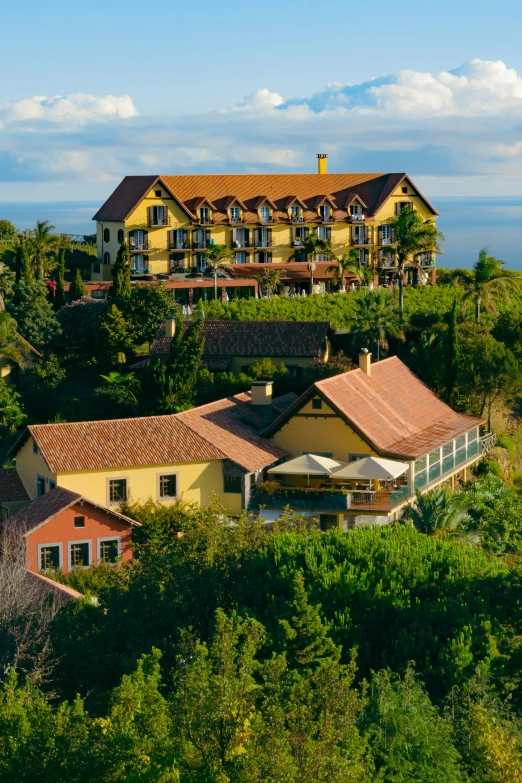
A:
x,y
254,338
11,487
373,190
391,409
120,443
45,586
228,422
293,271
49,506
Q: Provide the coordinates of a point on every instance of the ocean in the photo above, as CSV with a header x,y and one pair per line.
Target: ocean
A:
x,y
468,224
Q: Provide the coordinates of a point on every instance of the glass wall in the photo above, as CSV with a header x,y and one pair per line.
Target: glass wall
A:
x,y
446,459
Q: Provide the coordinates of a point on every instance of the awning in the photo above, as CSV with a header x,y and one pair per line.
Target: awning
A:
x,y
371,468
308,465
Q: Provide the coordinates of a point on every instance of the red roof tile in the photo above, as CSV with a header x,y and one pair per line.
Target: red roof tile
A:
x,y
11,487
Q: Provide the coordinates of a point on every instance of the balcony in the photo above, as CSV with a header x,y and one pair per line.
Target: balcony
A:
x,y
140,247
357,218
157,222
179,245
264,243
236,221
297,219
330,499
240,244
361,239
201,245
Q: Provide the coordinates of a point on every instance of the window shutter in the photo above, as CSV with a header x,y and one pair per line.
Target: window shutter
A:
x,y
246,234
184,236
269,258
269,235
306,232
328,234
207,235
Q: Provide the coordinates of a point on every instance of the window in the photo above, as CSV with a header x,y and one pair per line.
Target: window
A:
x,y
235,213
108,550
355,457
79,521
106,235
264,213
403,205
117,491
240,258
157,193
106,258
141,263
317,403
386,235
52,485
79,554
404,190
121,236
473,435
241,237
49,556
295,212
325,211
204,215
324,233
158,216
420,464
232,484
35,448
167,486
355,209
447,449
40,486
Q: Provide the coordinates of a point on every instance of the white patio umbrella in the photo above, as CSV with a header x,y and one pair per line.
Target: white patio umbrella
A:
x,y
372,468
308,465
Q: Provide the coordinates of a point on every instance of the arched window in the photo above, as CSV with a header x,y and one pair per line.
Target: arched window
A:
x,y
106,258
106,235
121,236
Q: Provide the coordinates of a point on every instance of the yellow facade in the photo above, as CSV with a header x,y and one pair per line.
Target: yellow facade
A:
x,y
158,251
196,481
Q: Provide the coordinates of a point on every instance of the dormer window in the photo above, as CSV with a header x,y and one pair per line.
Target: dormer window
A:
x,y
265,214
235,214
355,209
325,211
295,212
204,215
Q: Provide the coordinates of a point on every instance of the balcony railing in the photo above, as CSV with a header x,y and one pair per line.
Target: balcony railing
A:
x,y
155,222
263,243
201,245
235,221
297,219
139,247
240,243
361,240
179,245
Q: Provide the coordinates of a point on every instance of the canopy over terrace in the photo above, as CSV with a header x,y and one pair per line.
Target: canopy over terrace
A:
x,y
371,468
308,465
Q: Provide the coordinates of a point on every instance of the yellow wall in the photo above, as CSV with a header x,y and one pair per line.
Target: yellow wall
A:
x,y
197,481
320,431
282,235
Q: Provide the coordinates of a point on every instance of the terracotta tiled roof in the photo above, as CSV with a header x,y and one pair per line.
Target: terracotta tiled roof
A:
x,y
254,338
120,443
45,586
48,506
294,271
11,487
228,423
391,409
373,189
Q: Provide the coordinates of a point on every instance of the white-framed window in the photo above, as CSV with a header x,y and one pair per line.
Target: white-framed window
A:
x,y
167,486
322,258
325,211
80,554
204,214
109,550
235,213
50,556
265,212
140,263
355,209
138,240
106,258
41,486
295,212
158,216
240,258
322,232
386,235
117,491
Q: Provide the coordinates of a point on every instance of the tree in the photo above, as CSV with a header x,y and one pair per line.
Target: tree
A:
x,y
440,512
24,272
452,357
487,280
113,334
147,308
7,230
6,283
218,256
59,294
311,247
12,414
11,346
34,313
409,739
412,235
375,319
350,262
122,391
121,288
268,280
77,288
42,242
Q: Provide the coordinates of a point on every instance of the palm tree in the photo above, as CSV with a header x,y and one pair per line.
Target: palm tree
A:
x,y
350,262
375,318
42,240
268,280
440,512
311,248
485,280
412,235
218,256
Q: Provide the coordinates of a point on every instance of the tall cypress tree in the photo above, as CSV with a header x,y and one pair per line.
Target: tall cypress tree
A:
x,y
121,288
24,272
452,352
59,296
77,289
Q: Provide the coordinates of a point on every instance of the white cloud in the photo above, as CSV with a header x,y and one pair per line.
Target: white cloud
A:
x,y
452,130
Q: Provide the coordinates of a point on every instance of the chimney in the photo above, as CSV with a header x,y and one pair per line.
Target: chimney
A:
x,y
365,361
170,326
262,393
321,163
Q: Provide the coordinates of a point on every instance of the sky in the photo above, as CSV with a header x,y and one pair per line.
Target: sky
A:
x,y
92,91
